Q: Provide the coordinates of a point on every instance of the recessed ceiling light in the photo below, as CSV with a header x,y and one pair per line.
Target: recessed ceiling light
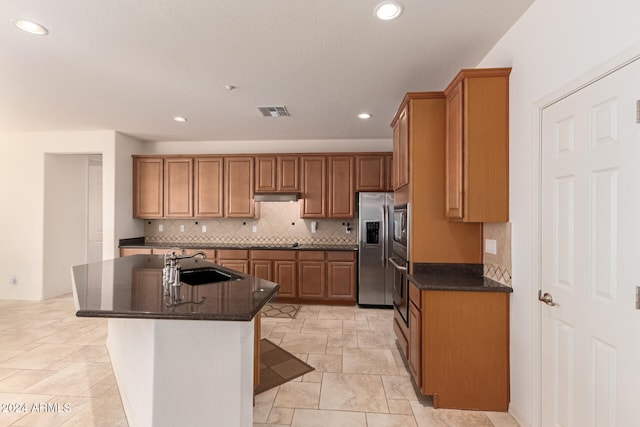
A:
x,y
31,27
180,119
230,87
364,116
388,10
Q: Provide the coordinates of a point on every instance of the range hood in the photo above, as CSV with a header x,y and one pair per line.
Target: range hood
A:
x,y
276,197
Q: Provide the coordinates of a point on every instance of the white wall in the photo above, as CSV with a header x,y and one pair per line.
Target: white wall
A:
x,y
554,43
286,146
22,173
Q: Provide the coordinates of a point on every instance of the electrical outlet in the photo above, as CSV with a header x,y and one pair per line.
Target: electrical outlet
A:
x,y
254,228
490,246
160,228
182,228
204,228
13,280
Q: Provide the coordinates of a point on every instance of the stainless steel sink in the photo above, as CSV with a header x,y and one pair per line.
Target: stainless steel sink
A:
x,y
205,275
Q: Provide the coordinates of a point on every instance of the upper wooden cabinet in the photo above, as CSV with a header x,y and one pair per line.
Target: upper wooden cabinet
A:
x,y
477,146
313,184
238,191
341,187
277,173
208,187
148,187
178,187
371,173
400,125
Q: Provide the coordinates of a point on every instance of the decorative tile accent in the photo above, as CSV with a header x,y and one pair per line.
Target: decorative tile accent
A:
x,y
279,224
498,273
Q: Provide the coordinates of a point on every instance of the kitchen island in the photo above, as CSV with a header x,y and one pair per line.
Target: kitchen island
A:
x,y
188,361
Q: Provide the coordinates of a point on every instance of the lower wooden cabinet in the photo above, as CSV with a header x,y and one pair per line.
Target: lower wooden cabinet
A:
x,y
234,259
312,275
341,276
459,348
278,267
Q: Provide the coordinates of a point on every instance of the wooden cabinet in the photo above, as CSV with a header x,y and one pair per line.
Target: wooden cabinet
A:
x,y
312,272
477,146
459,348
276,266
313,183
208,187
277,174
341,276
148,187
135,251
388,172
238,191
178,187
371,173
341,187
457,242
401,154
234,259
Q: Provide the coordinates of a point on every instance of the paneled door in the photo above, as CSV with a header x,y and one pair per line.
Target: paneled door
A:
x,y
590,183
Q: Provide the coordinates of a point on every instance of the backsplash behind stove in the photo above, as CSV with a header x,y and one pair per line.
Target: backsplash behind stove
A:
x,y
279,223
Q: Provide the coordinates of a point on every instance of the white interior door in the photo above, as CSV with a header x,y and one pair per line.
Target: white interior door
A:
x,y
590,183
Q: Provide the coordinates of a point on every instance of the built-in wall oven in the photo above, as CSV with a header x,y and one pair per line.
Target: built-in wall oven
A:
x,y
400,261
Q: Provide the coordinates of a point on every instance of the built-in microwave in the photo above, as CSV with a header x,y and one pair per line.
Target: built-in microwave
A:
x,y
400,224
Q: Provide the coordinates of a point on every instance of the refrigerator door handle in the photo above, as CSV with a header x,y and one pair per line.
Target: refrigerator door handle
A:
x,y
384,234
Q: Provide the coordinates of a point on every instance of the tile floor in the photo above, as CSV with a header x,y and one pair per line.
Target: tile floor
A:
x,y
57,366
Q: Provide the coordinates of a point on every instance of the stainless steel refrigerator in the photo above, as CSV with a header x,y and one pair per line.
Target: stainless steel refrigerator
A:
x,y
375,237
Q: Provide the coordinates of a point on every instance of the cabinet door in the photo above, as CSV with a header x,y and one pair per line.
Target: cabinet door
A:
x,y
415,344
288,173
388,173
370,173
341,187
238,173
284,274
134,251
262,269
208,187
453,155
178,187
403,148
314,187
395,159
266,173
311,279
341,280
148,190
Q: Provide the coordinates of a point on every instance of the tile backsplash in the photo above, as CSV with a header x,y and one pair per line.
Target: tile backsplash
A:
x,y
279,223
498,266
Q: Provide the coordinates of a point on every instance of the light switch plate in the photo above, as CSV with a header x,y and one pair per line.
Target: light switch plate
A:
x,y
204,228
490,246
161,228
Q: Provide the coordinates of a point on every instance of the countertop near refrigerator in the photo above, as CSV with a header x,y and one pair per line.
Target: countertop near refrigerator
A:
x,y
140,243
454,277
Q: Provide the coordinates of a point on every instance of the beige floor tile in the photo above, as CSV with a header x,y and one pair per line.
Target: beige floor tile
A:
x,y
79,379
389,420
107,412
41,357
313,377
342,341
368,361
293,326
400,407
458,418
339,313
57,411
311,418
501,419
22,379
19,405
376,339
397,387
353,392
316,326
304,343
425,415
282,416
298,395
326,362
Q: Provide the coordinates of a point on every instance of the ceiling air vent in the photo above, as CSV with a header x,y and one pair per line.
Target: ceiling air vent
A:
x,y
277,111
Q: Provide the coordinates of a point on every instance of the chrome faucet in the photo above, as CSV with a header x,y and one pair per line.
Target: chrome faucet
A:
x,y
171,271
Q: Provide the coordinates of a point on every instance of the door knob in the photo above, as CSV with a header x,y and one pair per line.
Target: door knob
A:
x,y
546,298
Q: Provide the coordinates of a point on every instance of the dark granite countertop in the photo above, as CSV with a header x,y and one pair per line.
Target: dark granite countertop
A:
x,y
131,287
454,277
140,243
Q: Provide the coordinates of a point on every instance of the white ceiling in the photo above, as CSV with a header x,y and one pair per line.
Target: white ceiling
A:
x,y
132,65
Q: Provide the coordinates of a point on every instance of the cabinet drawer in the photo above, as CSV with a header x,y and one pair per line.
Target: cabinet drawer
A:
x,y
134,251
341,256
233,254
210,253
414,295
273,255
311,256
